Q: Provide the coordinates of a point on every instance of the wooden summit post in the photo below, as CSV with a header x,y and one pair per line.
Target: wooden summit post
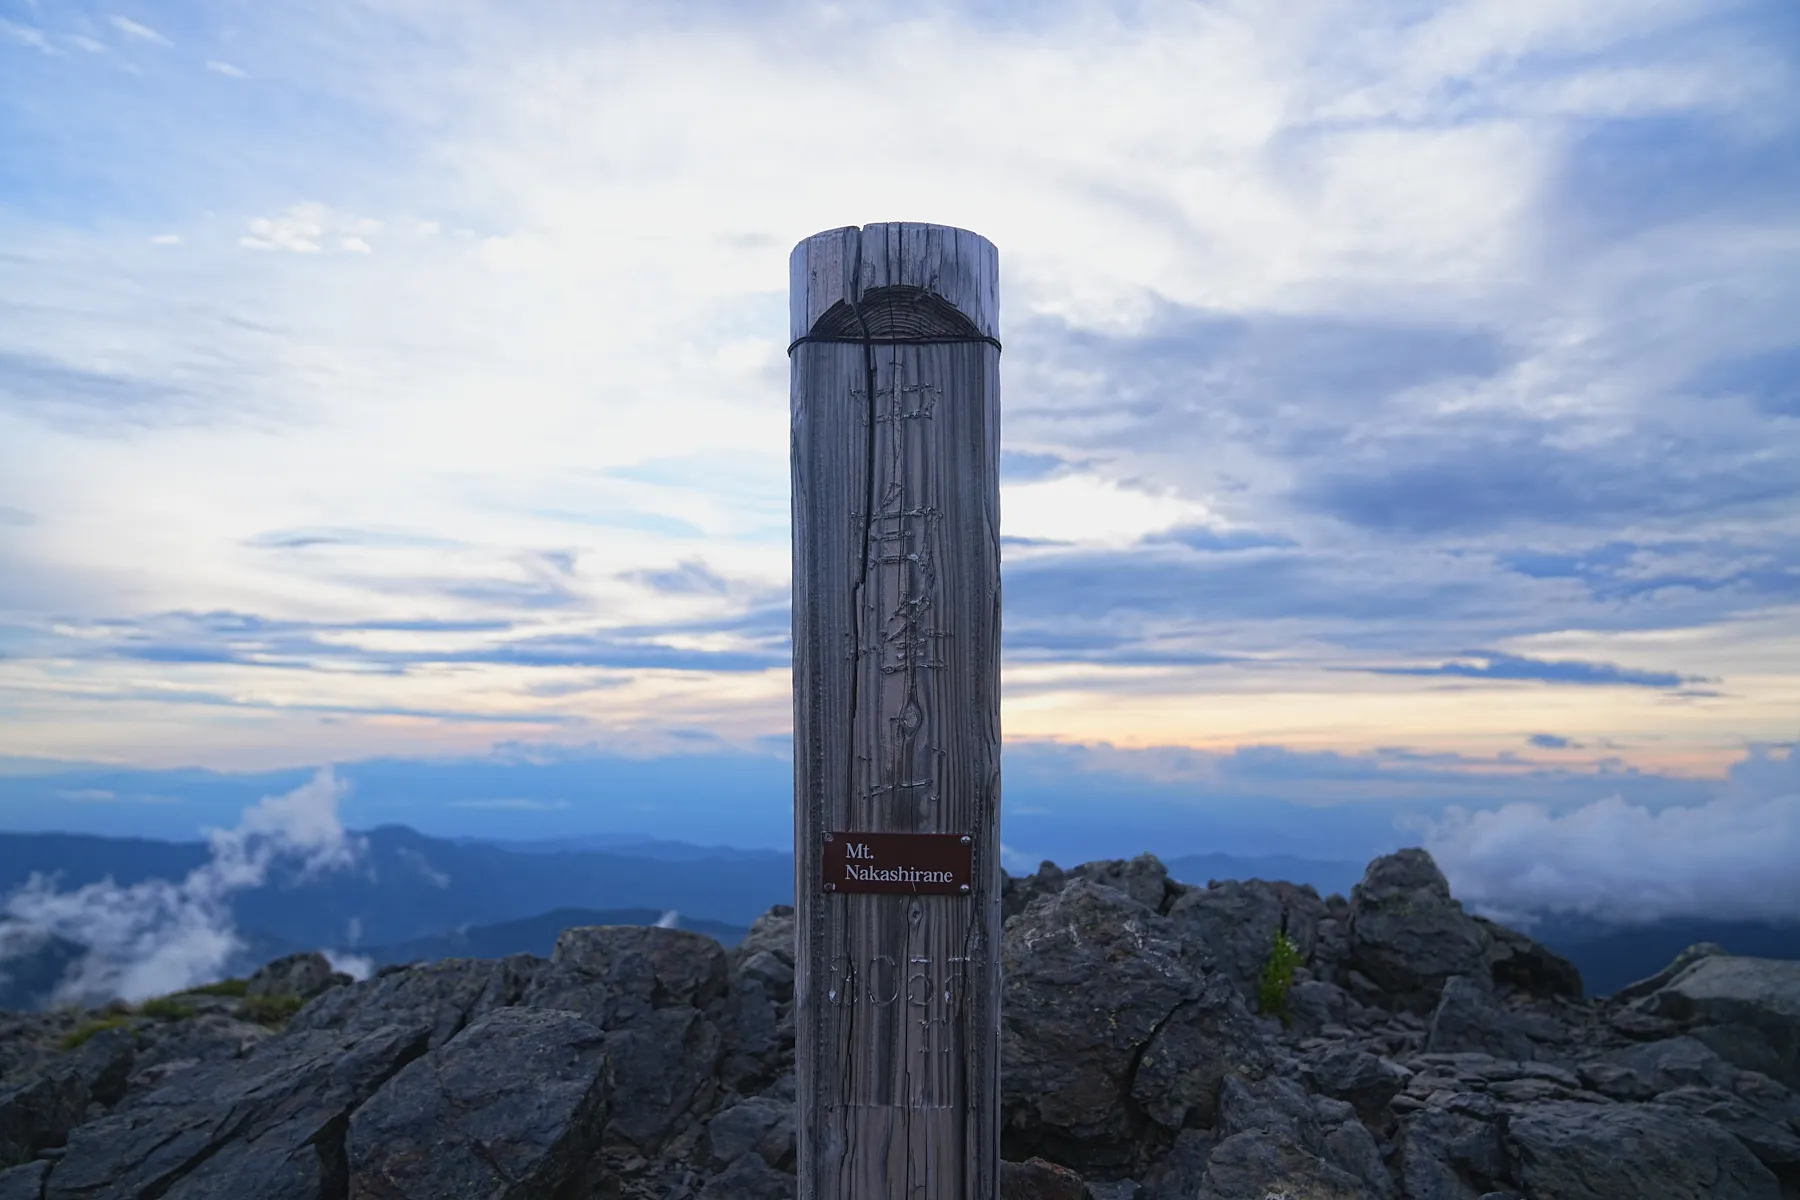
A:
x,y
896,438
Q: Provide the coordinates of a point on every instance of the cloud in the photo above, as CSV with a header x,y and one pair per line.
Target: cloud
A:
x,y
133,29
26,35
1489,665
305,227
1550,741
161,936
226,69
1731,856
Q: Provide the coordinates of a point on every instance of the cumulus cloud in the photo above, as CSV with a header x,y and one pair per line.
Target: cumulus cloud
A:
x,y
304,229
161,936
1732,856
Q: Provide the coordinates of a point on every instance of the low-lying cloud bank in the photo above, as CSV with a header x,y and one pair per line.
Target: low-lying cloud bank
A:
x,y
1732,857
161,936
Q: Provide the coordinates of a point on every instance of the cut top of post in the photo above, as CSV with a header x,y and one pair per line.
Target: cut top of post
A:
x,y
843,265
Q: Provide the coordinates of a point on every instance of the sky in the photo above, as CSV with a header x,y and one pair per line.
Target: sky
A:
x,y
1401,408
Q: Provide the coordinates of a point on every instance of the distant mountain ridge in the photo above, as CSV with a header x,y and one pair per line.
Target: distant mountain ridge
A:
x,y
414,897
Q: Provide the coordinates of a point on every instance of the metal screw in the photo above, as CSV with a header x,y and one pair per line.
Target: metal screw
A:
x,y
966,839
965,887
831,887
828,837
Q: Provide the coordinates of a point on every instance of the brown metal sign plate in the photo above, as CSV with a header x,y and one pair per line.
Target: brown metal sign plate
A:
x,y
910,864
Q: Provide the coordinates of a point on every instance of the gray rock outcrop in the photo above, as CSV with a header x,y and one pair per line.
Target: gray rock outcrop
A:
x,y
1424,1054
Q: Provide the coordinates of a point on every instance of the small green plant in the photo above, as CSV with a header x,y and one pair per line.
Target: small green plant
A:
x,y
225,987
1277,978
272,1010
167,1008
78,1036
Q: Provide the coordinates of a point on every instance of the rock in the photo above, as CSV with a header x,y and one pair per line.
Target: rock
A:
x,y
1406,933
749,1178
1115,1189
1143,878
613,975
304,975
1361,1079
1747,1009
1577,1151
104,1064
24,1182
1655,983
1036,1179
1452,1150
1255,1166
772,932
1517,963
662,1066
760,1125
1315,1004
443,996
1771,1130
40,1114
1666,1065
269,1126
1469,1018
1179,1073
1181,1172
1236,923
450,1125
1089,975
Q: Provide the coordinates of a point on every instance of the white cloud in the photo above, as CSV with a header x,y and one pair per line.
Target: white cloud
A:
x,y
1731,857
304,227
166,239
226,69
131,28
161,936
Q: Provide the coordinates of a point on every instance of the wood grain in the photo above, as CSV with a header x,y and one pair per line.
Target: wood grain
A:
x,y
896,506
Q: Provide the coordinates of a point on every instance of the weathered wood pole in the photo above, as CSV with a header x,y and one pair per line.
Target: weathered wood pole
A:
x,y
896,439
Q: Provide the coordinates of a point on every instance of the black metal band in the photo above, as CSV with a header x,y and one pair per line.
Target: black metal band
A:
x,y
932,339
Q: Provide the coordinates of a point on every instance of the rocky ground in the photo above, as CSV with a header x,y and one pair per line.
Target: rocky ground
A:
x,y
1425,1054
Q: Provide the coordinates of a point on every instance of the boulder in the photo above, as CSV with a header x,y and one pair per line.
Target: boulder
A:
x,y
1452,1149
1747,1009
1089,975
1655,983
1407,936
662,1066
1180,1072
761,1125
24,1182
1575,1151
749,1178
304,975
1363,1080
269,1126
613,975
39,1114
1036,1179
1258,1165
442,996
1469,1018
452,1125
1517,963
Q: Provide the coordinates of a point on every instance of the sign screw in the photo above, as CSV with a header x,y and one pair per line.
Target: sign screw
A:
x,y
832,887
828,837
966,839
965,887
